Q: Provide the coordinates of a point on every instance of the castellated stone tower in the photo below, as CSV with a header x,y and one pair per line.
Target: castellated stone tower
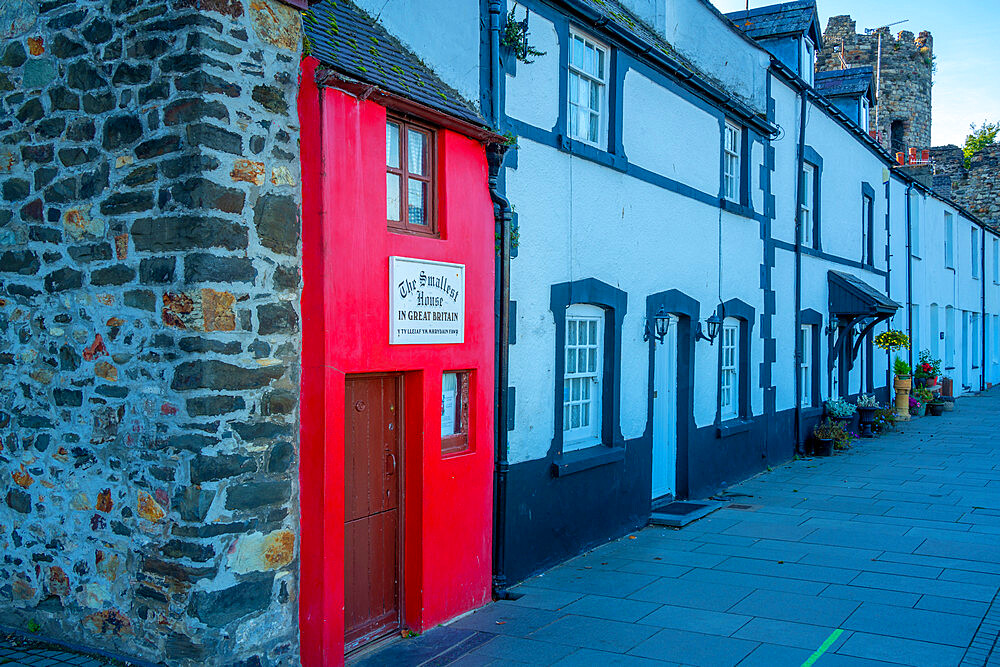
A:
x,y
904,91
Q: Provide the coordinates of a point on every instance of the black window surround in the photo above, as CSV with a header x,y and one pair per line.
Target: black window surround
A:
x,y
810,156
745,313
868,193
614,302
744,207
814,319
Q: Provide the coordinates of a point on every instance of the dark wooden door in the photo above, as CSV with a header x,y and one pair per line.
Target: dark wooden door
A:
x,y
372,554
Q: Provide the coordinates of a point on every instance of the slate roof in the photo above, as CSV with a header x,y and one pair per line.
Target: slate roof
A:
x,y
348,40
849,295
853,81
785,19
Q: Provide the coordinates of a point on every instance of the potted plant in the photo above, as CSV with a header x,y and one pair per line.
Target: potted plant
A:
x,y
902,386
917,407
892,340
885,419
826,435
927,370
935,406
840,411
867,406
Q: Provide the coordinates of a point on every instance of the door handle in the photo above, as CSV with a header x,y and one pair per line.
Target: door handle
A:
x,y
391,460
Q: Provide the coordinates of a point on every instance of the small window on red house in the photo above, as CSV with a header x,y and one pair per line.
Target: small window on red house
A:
x,y
409,181
454,413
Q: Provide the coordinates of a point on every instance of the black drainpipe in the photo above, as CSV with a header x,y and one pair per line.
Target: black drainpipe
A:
x,y
501,209
909,270
800,160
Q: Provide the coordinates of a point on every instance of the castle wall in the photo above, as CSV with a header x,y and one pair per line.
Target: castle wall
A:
x,y
904,90
976,188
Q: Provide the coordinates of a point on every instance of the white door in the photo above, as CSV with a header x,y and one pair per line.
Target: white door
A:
x,y
665,413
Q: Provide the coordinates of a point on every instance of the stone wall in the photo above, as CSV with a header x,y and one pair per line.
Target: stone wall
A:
x,y
976,188
149,327
904,91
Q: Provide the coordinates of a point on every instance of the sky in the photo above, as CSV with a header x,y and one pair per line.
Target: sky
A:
x,y
966,42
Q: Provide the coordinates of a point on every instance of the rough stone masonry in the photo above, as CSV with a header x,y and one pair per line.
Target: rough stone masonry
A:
x,y
149,326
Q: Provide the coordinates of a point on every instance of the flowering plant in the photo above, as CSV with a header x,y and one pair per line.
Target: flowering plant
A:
x,y
929,366
838,407
892,340
867,401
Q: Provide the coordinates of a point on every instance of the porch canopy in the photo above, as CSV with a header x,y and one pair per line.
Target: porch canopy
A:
x,y
853,302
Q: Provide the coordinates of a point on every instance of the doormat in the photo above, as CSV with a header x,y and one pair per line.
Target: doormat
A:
x,y
680,513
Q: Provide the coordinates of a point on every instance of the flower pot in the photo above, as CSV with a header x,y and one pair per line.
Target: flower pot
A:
x,y
902,382
843,421
866,418
822,446
935,409
949,403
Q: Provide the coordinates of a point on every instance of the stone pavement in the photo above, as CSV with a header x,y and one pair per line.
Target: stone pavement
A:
x,y
888,554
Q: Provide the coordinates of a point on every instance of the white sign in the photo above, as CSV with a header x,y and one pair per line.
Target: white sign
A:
x,y
426,302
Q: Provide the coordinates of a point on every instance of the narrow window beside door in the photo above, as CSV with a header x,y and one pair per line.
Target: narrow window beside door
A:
x,y
583,378
454,413
730,386
805,365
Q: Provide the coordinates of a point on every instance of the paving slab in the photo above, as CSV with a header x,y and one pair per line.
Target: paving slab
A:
x,y
895,544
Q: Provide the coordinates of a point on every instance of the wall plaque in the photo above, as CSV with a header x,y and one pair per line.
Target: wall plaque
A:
x,y
426,302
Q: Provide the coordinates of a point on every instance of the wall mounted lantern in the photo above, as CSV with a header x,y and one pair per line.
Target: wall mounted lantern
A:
x,y
714,324
661,325
832,326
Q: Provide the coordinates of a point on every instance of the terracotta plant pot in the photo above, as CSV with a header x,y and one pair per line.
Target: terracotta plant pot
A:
x,y
935,409
902,382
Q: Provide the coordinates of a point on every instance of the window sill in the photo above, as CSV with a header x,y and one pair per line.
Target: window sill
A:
x,y
592,153
736,209
585,459
732,427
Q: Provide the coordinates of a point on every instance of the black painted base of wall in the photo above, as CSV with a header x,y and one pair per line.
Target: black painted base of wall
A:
x,y
551,519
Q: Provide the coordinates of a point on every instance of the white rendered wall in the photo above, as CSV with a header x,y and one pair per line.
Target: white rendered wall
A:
x,y
533,96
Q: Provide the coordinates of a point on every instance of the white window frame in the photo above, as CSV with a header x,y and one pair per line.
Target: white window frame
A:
x,y
949,240
806,217
974,326
867,206
732,145
996,261
975,253
729,370
578,73
865,113
582,390
805,365
808,60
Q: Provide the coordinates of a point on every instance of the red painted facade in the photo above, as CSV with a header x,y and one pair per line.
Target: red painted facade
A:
x,y
447,502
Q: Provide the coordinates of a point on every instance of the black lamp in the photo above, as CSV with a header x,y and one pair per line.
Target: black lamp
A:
x,y
714,324
661,325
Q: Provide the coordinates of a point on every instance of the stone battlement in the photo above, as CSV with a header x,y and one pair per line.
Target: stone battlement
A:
x,y
904,90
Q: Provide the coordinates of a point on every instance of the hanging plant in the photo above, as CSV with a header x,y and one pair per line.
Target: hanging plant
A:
x,y
515,36
892,340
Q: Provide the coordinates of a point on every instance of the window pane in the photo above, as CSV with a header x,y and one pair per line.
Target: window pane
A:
x,y
590,60
417,202
574,88
570,361
392,145
594,135
574,390
593,332
582,364
586,391
392,196
585,414
592,361
595,97
416,147
449,404
600,65
574,421
577,54
565,417
571,332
